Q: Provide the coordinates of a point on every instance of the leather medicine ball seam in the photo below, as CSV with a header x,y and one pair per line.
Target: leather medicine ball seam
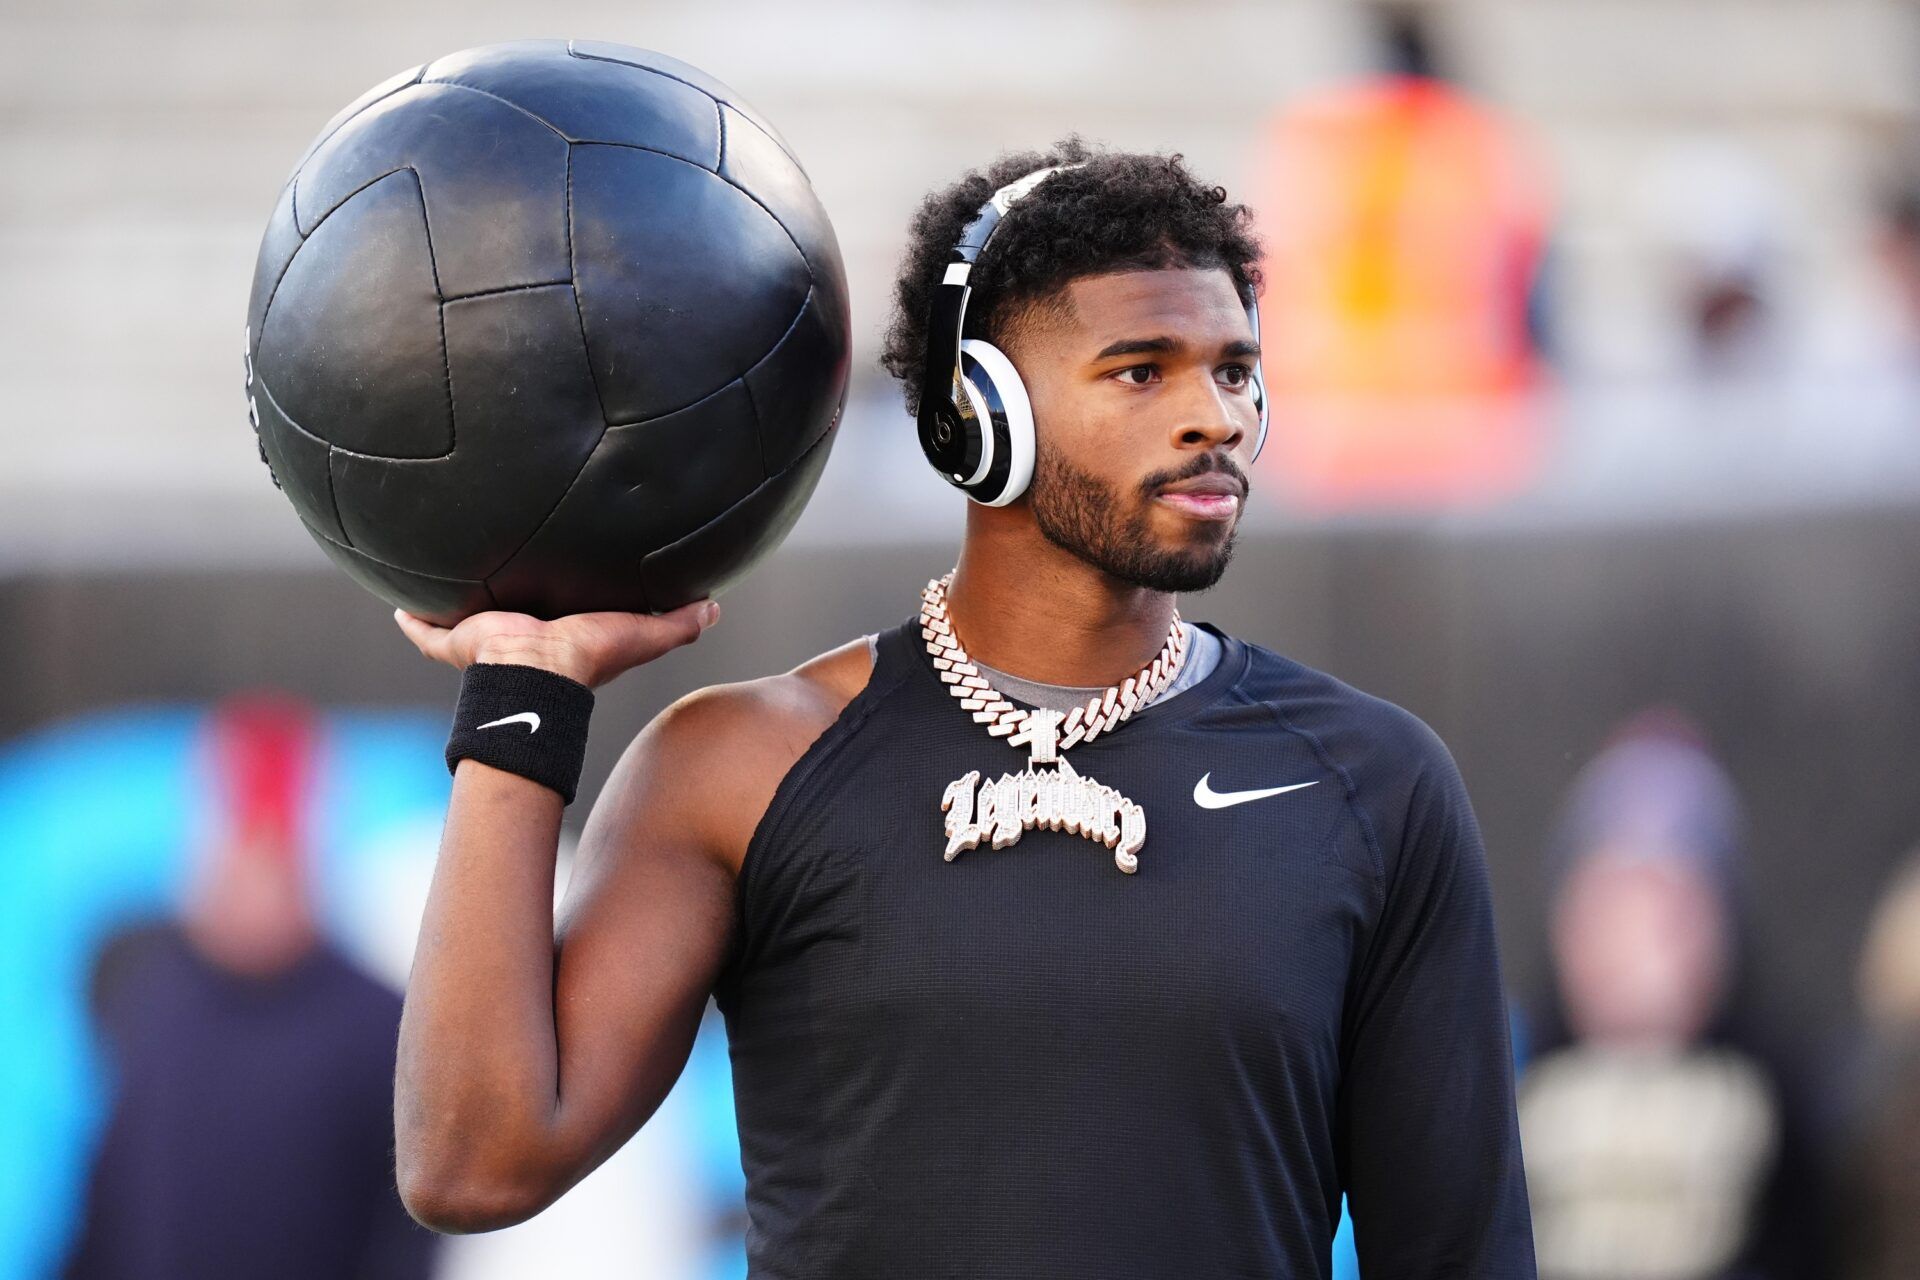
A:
x,y
640,422
267,307
719,153
509,288
759,440
482,583
293,179
364,554
813,282
506,102
759,423
747,113
655,71
333,498
805,304
799,462
440,314
760,204
398,568
740,106
573,275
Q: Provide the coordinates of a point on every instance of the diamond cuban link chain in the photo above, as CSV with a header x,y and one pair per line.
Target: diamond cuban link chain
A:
x,y
1058,800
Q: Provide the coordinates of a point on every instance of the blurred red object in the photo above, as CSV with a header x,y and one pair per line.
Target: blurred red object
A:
x,y
262,749
249,905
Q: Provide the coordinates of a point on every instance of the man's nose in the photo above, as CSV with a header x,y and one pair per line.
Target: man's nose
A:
x,y
1211,416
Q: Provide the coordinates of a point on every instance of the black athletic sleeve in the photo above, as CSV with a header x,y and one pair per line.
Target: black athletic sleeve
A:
x,y
1429,1143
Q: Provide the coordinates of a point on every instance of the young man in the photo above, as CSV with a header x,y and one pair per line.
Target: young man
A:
x,y
1025,974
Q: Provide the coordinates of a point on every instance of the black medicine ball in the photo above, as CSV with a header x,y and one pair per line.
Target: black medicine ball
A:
x,y
549,326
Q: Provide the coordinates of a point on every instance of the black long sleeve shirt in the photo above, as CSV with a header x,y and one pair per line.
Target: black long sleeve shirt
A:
x,y
1023,1062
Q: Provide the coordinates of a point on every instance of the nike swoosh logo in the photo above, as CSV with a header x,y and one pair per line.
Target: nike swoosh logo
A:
x,y
531,719
1207,798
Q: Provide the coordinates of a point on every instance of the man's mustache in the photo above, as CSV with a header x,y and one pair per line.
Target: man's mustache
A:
x,y
1202,464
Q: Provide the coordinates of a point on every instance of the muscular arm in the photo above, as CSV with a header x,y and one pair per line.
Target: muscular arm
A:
x,y
525,1058
528,1055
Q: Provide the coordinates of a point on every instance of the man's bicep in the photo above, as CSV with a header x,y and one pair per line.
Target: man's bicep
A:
x,y
1430,1147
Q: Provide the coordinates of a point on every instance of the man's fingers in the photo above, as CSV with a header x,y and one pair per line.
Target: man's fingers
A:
x,y
680,626
426,637
689,620
642,637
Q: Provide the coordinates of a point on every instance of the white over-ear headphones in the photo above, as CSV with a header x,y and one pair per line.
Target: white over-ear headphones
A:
x,y
975,421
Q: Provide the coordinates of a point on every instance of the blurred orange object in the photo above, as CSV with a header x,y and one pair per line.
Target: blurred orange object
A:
x,y
1403,224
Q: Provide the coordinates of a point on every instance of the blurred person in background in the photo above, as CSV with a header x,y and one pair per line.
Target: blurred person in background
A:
x,y
1896,245
250,1063
1715,209
1662,1140
1880,1169
1404,223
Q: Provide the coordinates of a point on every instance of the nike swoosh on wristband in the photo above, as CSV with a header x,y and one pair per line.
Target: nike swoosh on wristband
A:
x,y
531,719
1207,798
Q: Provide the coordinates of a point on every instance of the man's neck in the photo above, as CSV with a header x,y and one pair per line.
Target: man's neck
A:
x,y
1029,608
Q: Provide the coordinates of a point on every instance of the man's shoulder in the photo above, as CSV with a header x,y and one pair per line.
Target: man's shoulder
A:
x,y
1380,750
712,761
1385,755
800,703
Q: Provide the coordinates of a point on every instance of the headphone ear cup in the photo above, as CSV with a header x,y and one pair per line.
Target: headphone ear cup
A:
x,y
995,385
1259,381
1260,404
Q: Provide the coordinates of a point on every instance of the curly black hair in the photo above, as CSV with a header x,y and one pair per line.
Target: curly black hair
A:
x,y
1119,211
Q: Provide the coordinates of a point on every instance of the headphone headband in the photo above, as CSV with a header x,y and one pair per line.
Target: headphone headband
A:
x,y
974,236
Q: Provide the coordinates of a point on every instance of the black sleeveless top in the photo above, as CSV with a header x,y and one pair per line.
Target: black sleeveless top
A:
x,y
1025,1063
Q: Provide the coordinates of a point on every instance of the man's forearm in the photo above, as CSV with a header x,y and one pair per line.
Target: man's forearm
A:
x,y
476,1086
482,1138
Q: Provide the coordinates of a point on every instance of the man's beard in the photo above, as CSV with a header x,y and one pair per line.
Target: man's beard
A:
x,y
1082,515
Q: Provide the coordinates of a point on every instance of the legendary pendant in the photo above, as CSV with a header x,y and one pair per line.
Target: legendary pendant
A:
x,y
1000,810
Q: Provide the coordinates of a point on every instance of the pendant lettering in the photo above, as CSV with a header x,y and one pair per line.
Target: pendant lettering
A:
x,y
998,810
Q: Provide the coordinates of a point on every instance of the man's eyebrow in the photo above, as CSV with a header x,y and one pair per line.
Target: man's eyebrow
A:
x,y
1138,347
1240,347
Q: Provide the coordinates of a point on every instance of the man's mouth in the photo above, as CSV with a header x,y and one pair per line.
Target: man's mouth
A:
x,y
1213,496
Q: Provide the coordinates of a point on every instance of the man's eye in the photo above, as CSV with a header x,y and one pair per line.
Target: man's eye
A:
x,y
1235,375
1138,375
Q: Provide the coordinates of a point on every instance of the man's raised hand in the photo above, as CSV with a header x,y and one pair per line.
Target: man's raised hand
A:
x,y
591,648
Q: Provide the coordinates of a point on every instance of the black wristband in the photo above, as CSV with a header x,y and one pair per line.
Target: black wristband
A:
x,y
524,720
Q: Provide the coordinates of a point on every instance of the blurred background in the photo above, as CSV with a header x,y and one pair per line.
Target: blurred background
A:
x,y
1593,332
